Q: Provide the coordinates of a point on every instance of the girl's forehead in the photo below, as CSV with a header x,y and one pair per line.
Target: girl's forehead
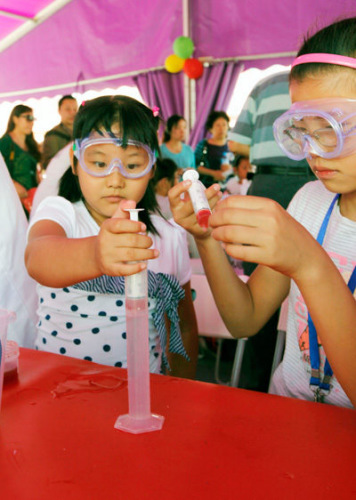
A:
x,y
334,85
219,121
115,131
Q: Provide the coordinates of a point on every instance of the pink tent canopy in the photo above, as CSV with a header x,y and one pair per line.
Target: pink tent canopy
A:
x,y
95,41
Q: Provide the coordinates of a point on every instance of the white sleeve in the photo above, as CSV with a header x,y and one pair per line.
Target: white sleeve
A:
x,y
17,289
54,171
56,209
173,246
184,273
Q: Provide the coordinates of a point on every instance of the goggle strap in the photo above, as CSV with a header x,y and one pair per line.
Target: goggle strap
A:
x,y
337,59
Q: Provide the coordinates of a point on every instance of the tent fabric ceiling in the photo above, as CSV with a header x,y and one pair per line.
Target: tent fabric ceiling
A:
x,y
18,17
95,39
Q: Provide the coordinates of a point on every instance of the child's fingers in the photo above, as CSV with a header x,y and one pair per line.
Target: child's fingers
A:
x,y
247,202
213,195
121,211
176,192
129,255
254,212
131,240
117,226
120,261
123,269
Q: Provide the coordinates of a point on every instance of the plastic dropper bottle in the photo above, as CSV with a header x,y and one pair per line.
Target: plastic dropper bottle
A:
x,y
139,419
198,198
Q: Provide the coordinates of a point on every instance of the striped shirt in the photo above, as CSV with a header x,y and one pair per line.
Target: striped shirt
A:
x,y
254,127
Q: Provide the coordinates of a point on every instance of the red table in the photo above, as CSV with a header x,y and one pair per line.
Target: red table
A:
x,y
58,441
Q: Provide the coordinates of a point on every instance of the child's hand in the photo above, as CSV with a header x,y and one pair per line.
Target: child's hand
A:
x,y
120,244
259,230
182,208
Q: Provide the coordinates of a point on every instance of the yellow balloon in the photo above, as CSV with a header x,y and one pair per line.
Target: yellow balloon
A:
x,y
173,64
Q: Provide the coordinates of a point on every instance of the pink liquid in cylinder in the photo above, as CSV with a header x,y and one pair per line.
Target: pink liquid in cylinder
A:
x,y
139,418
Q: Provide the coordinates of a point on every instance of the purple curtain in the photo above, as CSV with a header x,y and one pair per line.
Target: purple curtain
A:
x,y
162,89
213,92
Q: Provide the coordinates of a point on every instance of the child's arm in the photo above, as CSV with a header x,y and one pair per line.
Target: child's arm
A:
x,y
245,308
54,260
259,230
181,367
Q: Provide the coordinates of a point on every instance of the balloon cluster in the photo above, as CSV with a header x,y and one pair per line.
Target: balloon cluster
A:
x,y
183,48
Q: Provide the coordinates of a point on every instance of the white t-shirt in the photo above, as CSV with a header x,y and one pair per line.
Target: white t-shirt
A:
x,y
17,289
309,207
90,325
234,187
54,171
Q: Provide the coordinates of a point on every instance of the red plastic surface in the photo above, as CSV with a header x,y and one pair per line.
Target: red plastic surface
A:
x,y
57,440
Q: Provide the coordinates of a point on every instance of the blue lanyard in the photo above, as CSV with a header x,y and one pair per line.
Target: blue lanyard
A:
x,y
315,382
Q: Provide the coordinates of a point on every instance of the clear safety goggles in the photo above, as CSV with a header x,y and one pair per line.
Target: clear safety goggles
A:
x,y
324,127
100,156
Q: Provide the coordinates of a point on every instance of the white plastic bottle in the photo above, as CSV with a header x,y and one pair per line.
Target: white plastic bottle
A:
x,y
198,198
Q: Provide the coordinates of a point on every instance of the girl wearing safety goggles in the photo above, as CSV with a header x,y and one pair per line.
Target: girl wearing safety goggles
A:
x,y
307,253
82,243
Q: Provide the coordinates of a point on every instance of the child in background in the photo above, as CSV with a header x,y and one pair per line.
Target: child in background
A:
x,y
81,244
167,174
241,181
308,252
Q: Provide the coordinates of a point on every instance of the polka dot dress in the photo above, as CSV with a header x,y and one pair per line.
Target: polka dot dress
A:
x,y
92,324
89,326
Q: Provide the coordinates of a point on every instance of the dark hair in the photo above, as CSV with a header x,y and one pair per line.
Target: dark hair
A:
x,y
135,121
30,141
64,98
165,168
238,159
213,116
171,122
337,38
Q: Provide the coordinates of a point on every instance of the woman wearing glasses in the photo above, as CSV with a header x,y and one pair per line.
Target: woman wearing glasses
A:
x,y
20,150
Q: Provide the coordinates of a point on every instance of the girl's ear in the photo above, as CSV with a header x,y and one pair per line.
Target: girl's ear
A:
x,y
71,157
152,173
163,186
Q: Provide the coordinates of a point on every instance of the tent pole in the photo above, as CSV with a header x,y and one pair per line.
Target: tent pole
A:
x,y
108,78
188,88
30,23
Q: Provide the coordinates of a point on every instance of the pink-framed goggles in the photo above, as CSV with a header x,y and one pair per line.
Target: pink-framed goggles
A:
x,y
323,127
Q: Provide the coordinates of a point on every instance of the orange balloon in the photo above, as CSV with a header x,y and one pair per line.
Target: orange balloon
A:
x,y
193,68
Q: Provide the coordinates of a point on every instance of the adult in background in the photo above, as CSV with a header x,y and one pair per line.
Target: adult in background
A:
x,y
60,135
20,150
17,289
277,177
211,155
173,146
